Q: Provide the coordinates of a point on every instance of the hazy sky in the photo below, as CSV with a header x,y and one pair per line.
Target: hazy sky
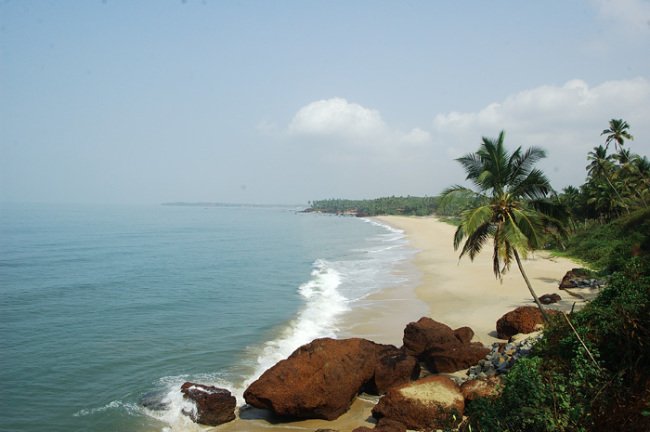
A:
x,y
289,101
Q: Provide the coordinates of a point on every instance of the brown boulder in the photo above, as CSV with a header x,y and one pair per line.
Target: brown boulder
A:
x,y
489,387
426,335
573,278
550,298
464,334
393,367
524,319
443,349
214,405
453,358
319,380
434,402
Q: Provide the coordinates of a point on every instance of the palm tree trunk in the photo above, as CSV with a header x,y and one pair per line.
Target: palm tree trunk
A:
x,y
620,198
530,287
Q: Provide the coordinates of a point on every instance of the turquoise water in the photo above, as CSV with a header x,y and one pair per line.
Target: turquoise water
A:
x,y
106,310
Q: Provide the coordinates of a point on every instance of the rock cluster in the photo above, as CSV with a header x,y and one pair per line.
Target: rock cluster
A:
x,y
580,278
441,348
321,379
501,358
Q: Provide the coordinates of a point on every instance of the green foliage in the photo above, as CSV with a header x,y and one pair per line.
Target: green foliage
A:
x,y
559,388
413,206
608,247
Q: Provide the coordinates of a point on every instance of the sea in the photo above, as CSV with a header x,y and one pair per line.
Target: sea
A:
x,y
106,310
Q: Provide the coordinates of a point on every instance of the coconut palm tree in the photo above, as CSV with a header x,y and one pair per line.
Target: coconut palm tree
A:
x,y
617,132
601,167
512,206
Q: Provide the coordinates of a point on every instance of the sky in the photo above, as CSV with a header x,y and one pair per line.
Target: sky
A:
x,y
131,101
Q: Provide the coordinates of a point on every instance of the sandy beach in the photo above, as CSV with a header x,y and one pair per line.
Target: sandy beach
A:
x,y
455,292
466,293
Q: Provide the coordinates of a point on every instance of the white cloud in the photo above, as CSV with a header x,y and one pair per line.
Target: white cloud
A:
x,y
345,122
631,16
565,120
337,117
416,136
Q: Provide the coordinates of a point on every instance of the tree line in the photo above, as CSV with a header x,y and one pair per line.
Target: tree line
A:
x,y
409,205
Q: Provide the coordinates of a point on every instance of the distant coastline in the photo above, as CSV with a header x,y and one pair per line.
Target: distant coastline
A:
x,y
235,205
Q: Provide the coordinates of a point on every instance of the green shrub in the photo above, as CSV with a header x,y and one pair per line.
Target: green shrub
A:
x,y
560,388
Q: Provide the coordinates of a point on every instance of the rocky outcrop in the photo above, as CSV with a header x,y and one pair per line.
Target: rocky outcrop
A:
x,y
320,379
490,387
464,334
502,357
441,348
549,298
393,367
214,405
426,335
456,357
434,402
524,319
579,278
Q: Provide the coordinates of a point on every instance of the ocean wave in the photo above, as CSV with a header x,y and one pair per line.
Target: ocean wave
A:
x,y
116,404
323,305
331,291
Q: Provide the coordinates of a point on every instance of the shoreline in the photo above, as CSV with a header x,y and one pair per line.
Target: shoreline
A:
x,y
456,293
461,292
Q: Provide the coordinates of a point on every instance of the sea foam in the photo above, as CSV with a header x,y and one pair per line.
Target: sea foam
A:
x,y
332,290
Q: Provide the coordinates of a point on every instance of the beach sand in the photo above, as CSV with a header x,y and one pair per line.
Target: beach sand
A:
x,y
455,292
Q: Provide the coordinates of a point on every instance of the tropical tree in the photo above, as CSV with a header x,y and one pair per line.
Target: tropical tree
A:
x,y
617,132
602,167
512,206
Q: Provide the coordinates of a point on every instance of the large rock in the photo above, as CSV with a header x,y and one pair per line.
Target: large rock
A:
x,y
524,319
319,380
425,335
452,358
580,278
443,349
464,334
489,387
393,367
214,405
434,402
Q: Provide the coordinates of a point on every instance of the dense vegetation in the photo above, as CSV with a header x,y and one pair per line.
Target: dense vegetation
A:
x,y
412,206
560,387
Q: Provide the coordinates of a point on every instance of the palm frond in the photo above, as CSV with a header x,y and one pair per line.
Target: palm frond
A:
x,y
473,166
522,164
533,186
476,240
526,228
474,218
459,235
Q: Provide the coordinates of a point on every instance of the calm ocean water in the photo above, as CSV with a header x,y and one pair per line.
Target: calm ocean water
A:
x,y
106,310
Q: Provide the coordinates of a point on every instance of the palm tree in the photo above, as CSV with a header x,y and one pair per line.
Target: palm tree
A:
x,y
601,167
617,132
512,208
